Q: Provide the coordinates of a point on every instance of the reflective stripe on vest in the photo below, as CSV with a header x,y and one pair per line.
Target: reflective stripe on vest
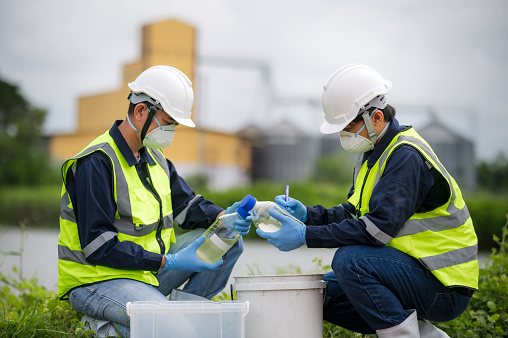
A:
x,y
442,239
137,219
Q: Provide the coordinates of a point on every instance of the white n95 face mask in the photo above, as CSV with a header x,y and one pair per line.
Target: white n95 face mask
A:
x,y
354,143
161,137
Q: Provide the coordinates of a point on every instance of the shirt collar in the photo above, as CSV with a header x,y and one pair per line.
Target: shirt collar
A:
x,y
373,155
126,151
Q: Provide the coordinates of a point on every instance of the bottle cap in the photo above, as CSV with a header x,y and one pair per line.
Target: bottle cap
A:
x,y
247,203
243,214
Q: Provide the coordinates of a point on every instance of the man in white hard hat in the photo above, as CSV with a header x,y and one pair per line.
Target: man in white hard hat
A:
x,y
407,249
120,200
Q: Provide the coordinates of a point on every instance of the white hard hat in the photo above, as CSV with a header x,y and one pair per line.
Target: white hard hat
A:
x,y
169,87
348,90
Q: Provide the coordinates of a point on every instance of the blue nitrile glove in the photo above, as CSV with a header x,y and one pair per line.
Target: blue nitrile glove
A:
x,y
243,225
294,207
232,209
290,236
186,259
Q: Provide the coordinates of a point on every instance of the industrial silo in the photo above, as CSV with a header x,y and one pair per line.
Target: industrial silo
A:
x,y
455,152
282,153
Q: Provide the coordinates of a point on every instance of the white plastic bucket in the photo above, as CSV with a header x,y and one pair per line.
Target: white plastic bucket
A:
x,y
282,306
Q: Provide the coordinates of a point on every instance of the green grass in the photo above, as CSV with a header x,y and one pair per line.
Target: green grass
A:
x,y
29,310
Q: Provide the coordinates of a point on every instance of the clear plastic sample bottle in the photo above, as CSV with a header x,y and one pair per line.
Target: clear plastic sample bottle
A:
x,y
262,218
221,235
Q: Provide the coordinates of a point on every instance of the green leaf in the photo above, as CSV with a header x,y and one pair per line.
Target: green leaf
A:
x,y
494,317
491,305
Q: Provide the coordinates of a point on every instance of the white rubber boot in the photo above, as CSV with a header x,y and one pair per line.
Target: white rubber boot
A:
x,y
102,328
427,330
407,329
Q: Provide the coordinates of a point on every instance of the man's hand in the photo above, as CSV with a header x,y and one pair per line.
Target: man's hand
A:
x,y
186,259
294,207
232,209
229,210
290,236
243,225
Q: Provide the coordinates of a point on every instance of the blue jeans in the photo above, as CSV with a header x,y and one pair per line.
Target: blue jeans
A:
x,y
370,288
106,300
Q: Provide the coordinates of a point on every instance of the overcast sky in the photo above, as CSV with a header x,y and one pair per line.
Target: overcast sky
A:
x,y
449,56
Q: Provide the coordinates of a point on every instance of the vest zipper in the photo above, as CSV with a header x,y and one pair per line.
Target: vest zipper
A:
x,y
149,186
359,213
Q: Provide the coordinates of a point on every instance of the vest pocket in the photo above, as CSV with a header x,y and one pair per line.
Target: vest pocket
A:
x,y
145,208
140,194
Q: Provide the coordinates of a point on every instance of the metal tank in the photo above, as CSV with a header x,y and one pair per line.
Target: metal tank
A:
x,y
282,153
455,152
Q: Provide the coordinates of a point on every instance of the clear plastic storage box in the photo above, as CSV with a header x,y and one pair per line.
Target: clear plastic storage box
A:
x,y
188,319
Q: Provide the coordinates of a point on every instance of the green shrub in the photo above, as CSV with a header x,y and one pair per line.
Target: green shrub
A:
x,y
487,314
39,206
335,168
488,213
29,310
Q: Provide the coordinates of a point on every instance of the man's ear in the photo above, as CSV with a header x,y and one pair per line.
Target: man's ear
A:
x,y
378,117
139,111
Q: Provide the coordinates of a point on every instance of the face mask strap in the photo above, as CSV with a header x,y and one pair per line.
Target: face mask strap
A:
x,y
370,128
160,127
128,119
386,127
151,113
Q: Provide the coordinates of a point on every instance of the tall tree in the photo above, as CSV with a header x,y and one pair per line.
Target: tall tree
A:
x,y
23,156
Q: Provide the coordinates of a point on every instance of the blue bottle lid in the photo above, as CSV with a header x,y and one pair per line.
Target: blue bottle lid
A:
x,y
243,214
247,203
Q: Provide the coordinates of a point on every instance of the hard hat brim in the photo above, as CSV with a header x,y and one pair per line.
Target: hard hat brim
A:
x,y
184,122
138,97
328,128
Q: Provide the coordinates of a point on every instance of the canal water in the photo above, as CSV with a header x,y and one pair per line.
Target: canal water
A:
x,y
39,257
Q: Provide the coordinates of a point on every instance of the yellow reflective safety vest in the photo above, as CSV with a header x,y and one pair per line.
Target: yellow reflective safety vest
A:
x,y
140,217
443,239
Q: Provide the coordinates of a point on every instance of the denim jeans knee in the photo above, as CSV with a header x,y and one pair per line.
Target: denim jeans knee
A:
x,y
346,257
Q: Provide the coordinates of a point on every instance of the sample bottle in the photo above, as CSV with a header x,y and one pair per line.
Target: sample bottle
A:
x,y
262,218
221,235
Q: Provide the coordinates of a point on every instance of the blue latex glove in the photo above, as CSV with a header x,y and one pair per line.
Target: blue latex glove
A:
x,y
290,236
243,225
232,209
294,207
186,259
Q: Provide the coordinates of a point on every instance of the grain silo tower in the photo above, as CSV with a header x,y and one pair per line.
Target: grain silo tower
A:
x,y
283,153
455,152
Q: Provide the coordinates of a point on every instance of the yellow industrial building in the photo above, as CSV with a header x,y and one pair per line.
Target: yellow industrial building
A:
x,y
222,157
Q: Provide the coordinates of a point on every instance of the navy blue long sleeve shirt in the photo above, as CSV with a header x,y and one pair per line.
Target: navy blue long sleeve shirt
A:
x,y
91,192
408,185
